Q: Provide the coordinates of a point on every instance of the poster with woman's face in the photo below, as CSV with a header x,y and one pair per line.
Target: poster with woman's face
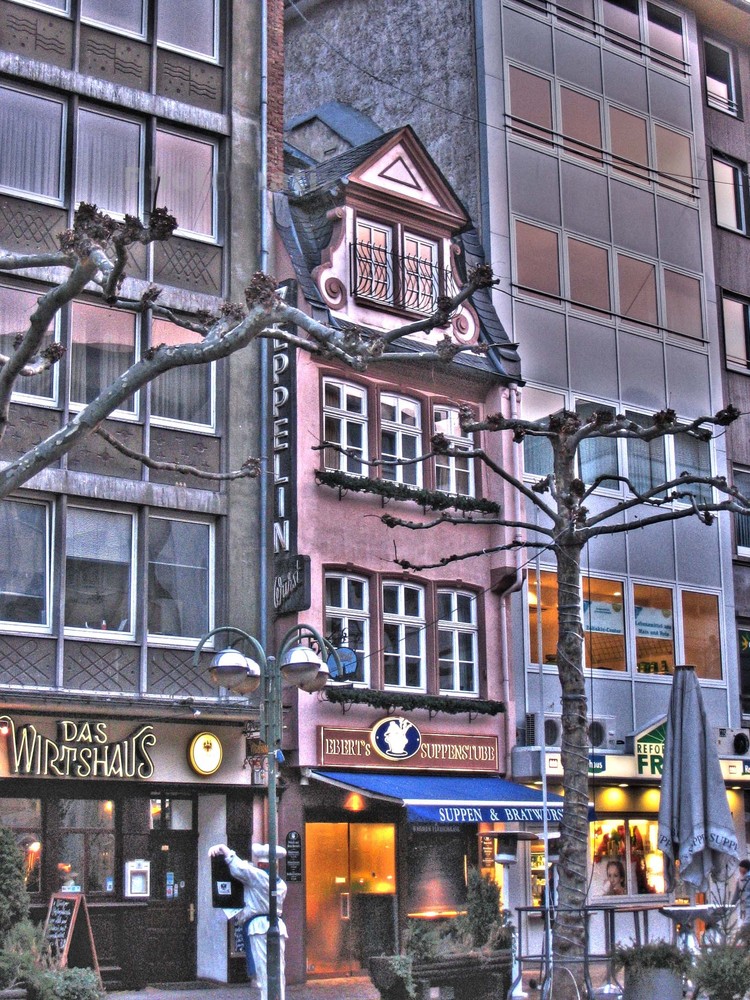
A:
x,y
610,878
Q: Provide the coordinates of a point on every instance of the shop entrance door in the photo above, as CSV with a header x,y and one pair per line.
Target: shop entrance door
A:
x,y
351,895
171,938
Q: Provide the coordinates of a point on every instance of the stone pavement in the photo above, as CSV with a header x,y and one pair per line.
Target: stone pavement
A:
x,y
350,988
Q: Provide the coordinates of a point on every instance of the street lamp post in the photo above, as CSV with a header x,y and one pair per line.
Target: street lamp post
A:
x,y
297,663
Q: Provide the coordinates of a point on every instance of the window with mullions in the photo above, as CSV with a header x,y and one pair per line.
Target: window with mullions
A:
x,y
636,289
721,90
736,314
400,439
646,460
24,563
348,619
16,307
580,116
98,570
530,104
457,641
186,25
603,624
693,457
23,817
588,275
109,162
85,860
701,635
122,15
537,261
597,456
345,425
374,258
629,144
185,168
183,395
682,301
730,194
742,521
674,161
665,33
625,858
180,562
403,636
654,629
453,473
420,274
537,404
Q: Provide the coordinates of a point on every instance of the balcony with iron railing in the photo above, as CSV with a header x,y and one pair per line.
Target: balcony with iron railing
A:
x,y
405,282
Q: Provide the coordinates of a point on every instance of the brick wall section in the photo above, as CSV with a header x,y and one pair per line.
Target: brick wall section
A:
x,y
275,95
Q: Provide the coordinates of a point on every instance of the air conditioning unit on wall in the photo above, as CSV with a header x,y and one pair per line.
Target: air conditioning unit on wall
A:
x,y
732,742
602,732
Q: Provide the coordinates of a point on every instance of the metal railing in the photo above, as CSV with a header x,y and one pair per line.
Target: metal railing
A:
x,y
400,280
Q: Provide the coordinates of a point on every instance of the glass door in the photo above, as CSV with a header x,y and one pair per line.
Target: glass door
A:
x,y
351,894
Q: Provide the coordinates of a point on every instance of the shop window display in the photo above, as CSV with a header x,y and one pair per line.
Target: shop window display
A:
x,y
624,858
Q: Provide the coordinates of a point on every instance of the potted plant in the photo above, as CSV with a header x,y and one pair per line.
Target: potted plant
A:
x,y
722,973
653,971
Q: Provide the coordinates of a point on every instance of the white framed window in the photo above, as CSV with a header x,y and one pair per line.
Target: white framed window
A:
x,y
16,307
721,90
537,404
736,317
185,168
56,6
109,162
694,457
345,425
128,16
99,570
453,473
102,347
665,34
419,270
25,579
742,521
32,148
374,261
180,578
646,461
403,643
185,395
348,619
457,642
730,194
400,439
189,26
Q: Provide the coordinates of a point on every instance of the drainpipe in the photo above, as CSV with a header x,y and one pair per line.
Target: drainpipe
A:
x,y
514,586
266,478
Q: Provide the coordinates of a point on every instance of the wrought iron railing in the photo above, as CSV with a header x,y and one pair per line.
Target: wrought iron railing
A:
x,y
400,280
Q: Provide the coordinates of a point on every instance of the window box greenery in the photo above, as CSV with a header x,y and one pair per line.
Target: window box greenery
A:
x,y
654,971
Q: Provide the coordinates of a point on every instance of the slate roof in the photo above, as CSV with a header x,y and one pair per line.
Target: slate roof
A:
x,y
349,124
305,229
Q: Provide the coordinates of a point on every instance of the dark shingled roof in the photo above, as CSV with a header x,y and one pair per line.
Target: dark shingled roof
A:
x,y
305,229
349,124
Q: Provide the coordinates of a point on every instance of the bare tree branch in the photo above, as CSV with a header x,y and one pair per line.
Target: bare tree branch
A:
x,y
250,468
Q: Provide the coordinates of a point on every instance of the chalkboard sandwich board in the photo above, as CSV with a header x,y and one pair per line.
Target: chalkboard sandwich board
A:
x,y
68,934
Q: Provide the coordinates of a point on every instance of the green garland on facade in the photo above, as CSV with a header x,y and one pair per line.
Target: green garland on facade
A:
x,y
429,499
388,700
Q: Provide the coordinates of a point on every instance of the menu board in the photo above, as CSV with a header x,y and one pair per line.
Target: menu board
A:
x,y
67,930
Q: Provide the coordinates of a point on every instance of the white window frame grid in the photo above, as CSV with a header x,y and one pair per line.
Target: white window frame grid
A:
x,y
455,629
629,584
402,621
730,106
426,300
43,199
742,550
739,189
448,462
117,30
214,58
18,396
131,416
159,639
40,5
78,632
344,418
49,527
349,614
615,488
188,425
401,432
142,166
371,279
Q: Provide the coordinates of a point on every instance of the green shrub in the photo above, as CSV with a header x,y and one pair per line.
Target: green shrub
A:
x,y
654,955
14,899
25,951
723,973
65,984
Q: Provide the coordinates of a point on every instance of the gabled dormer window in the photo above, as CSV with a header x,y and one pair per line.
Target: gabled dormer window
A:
x,y
392,266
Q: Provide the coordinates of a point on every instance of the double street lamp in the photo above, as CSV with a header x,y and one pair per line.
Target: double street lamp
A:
x,y
299,663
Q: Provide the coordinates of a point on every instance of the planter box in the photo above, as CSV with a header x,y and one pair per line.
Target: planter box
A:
x,y
471,977
652,984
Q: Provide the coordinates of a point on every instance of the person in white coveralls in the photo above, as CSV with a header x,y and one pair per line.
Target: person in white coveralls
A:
x,y
254,916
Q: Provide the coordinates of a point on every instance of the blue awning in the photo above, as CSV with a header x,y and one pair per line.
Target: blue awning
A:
x,y
448,799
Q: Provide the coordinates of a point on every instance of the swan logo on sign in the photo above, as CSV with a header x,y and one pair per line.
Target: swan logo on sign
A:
x,y
395,738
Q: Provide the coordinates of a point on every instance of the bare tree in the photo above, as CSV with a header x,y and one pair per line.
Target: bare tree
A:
x,y
563,526
93,257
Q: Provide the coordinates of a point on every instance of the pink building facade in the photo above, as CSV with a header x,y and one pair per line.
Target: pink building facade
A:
x,y
370,239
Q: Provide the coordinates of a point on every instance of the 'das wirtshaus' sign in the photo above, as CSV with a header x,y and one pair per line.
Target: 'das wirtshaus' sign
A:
x,y
80,750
